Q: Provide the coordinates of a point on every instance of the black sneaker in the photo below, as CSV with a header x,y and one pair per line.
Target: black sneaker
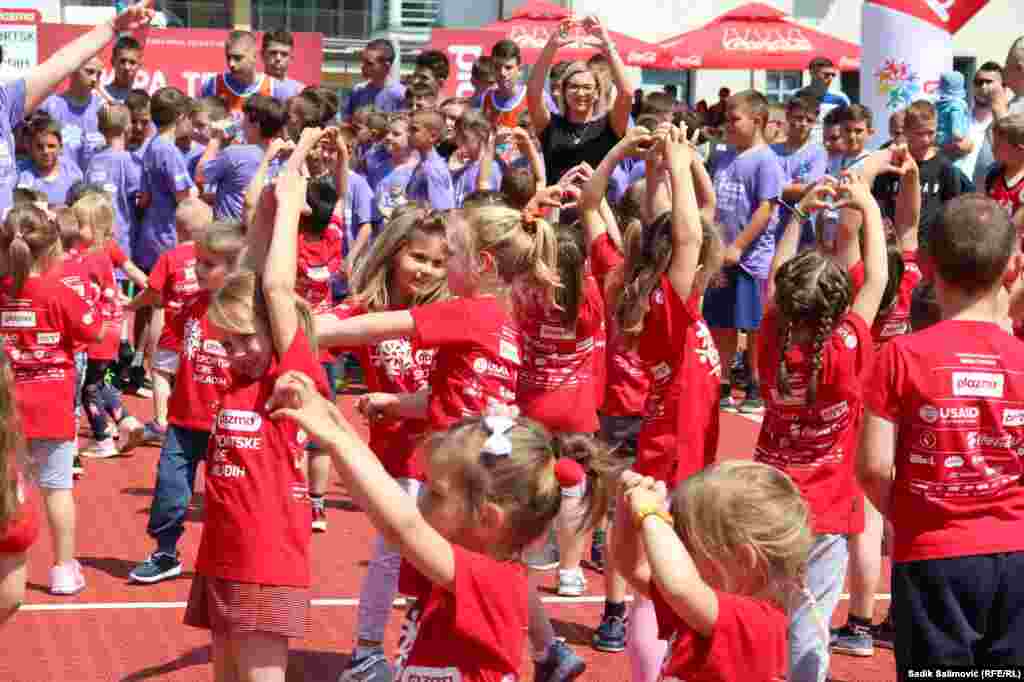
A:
x,y
610,635
159,566
852,640
138,384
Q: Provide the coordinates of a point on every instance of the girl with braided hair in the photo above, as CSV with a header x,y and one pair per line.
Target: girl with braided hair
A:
x,y
814,351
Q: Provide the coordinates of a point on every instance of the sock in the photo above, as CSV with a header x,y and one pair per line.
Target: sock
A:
x,y
317,501
614,610
137,358
858,622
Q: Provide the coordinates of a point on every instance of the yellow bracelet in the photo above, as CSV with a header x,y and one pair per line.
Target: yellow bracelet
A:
x,y
653,510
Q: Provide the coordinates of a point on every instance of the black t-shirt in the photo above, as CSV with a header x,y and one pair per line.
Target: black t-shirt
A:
x,y
941,181
564,144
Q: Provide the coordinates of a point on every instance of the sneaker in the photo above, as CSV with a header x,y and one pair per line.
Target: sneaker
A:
x,y
133,433
852,640
726,403
67,579
319,520
571,583
135,382
561,665
884,634
153,434
77,470
610,635
752,402
159,566
373,667
739,372
101,449
597,549
544,558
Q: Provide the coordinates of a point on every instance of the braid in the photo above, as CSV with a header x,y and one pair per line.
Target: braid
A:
x,y
821,334
785,339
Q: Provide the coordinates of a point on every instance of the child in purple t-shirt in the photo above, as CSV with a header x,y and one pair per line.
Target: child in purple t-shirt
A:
x,y
389,191
76,110
748,180
431,182
803,161
165,180
49,171
472,131
116,171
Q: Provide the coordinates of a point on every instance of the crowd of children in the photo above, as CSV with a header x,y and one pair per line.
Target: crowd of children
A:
x,y
545,357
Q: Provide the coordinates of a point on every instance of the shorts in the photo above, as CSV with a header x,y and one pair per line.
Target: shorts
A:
x,y
49,462
737,304
166,360
229,606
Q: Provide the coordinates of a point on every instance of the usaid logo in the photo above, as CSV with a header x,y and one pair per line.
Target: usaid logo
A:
x,y
980,384
239,420
930,414
18,318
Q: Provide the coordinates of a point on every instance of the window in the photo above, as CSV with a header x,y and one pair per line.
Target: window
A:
x,y
782,85
181,13
325,16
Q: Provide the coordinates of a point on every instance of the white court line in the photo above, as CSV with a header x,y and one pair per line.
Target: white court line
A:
x,y
113,606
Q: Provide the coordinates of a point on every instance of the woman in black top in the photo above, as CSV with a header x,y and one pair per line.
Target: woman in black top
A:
x,y
577,135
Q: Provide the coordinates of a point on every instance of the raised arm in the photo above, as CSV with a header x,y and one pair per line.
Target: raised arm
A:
x,y
618,117
259,180
540,117
687,233
876,267
637,141
363,329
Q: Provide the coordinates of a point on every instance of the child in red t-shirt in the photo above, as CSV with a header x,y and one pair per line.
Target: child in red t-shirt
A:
x,y
405,266
492,488
1005,182
19,520
95,214
814,351
720,568
41,320
252,574
172,282
202,377
655,296
939,454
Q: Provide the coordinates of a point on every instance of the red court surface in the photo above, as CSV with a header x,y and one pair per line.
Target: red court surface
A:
x,y
114,630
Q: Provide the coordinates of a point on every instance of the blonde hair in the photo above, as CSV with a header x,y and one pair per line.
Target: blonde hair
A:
x,y
224,238
96,210
739,502
194,213
11,443
1010,128
239,307
524,248
30,239
648,253
371,281
523,483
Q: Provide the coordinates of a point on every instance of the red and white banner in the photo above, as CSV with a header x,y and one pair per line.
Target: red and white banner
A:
x,y
185,58
906,45
949,15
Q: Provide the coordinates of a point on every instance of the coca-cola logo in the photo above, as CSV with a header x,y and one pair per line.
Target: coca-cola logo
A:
x,y
635,57
688,62
761,40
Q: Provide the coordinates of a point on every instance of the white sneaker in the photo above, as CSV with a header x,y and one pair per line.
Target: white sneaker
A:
x,y
102,449
571,583
133,433
67,578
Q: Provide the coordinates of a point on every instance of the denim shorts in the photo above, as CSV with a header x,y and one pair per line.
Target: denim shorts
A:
x,y
737,304
49,463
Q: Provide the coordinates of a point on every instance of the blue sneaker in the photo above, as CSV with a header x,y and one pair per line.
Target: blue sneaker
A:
x,y
610,635
852,640
373,667
561,665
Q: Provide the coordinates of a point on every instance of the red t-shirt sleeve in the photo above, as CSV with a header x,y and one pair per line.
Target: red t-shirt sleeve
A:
x,y
22,529
117,256
81,321
160,277
299,358
883,388
490,604
604,257
853,346
449,322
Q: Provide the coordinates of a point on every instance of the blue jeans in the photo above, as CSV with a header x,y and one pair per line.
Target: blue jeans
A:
x,y
180,455
809,621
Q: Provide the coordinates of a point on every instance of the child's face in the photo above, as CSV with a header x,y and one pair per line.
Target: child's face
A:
x,y
420,102
183,131
45,151
833,140
508,75
422,136
211,269
741,126
483,84
775,129
897,131
443,503
855,135
141,120
201,127
462,269
420,265
452,113
921,138
397,137
249,354
126,66
86,235
469,144
799,125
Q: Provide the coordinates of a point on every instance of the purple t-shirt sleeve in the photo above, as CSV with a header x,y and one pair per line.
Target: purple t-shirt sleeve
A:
x,y
362,201
431,182
172,168
770,179
12,104
213,170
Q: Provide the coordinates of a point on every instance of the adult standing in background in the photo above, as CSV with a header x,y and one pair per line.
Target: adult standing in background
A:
x,y
715,117
126,62
1003,104
975,162
823,77
575,136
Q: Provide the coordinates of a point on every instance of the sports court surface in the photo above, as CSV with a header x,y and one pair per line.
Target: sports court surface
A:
x,y
117,631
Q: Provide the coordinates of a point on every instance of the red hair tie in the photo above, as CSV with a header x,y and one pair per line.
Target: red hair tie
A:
x,y
569,472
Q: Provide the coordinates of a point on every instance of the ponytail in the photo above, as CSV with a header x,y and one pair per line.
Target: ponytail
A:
x,y
542,273
10,445
30,240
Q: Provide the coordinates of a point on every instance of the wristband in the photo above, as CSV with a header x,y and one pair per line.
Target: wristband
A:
x,y
652,510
